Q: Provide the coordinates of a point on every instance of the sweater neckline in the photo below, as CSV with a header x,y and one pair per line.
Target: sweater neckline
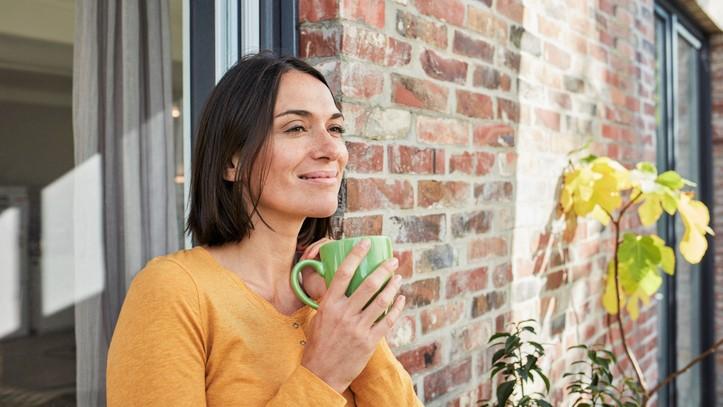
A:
x,y
261,302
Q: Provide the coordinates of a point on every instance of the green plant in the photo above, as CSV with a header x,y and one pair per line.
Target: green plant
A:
x,y
603,189
516,363
594,383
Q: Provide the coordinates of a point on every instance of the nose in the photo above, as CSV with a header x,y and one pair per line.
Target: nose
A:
x,y
329,147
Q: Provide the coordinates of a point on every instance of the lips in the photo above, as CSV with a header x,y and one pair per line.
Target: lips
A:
x,y
319,175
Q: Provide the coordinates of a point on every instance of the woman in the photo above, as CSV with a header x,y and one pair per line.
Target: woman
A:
x,y
219,325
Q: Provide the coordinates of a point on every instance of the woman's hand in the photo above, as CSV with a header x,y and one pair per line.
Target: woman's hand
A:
x,y
312,282
342,335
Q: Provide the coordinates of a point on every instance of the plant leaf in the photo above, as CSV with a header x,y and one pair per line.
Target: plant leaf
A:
x,y
695,218
504,390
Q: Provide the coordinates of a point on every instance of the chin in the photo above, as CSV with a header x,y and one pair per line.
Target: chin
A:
x,y
321,209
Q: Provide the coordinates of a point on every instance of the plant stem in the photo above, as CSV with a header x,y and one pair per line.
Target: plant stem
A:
x,y
618,316
679,372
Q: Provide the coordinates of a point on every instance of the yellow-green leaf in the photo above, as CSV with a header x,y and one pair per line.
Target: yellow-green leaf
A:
x,y
650,210
695,218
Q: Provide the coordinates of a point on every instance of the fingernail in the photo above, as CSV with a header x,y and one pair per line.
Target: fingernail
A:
x,y
364,244
397,278
393,262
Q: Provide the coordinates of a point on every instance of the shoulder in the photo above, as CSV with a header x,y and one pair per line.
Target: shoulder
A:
x,y
167,275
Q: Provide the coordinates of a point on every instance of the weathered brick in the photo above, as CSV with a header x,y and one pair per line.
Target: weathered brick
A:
x,y
363,226
547,118
437,258
445,380
465,45
487,24
415,160
369,11
434,193
403,333
573,84
487,247
421,358
369,193
513,9
319,42
496,135
451,11
431,32
557,56
416,229
477,222
387,124
486,77
525,40
493,191
364,44
418,93
470,338
508,110
318,10
555,280
439,316
365,157
467,281
441,68
442,131
406,262
480,163
397,53
474,105
502,275
420,293
488,302
361,81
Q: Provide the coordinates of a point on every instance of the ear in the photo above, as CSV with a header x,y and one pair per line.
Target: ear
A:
x,y
230,173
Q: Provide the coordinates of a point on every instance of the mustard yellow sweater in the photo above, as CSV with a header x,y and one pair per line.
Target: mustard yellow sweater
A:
x,y
190,333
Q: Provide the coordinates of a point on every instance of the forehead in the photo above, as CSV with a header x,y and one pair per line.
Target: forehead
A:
x,y
301,91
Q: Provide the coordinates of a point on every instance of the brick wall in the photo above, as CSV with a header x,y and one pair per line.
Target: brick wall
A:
x,y
460,115
716,62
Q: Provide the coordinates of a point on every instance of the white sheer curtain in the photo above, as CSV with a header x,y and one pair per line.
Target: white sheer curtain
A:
x,y
122,120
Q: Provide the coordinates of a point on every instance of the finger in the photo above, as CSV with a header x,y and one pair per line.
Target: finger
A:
x,y
346,269
313,249
381,302
383,327
372,284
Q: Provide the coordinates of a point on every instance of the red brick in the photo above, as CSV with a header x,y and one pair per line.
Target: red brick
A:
x,y
444,381
421,293
548,118
477,223
317,10
406,262
466,281
416,229
494,191
418,93
414,160
557,56
421,358
513,9
437,317
502,275
487,247
508,110
364,157
548,28
441,131
479,163
364,44
369,193
451,11
488,302
411,26
555,280
496,135
368,11
361,81
319,42
474,105
398,53
486,23
486,77
362,226
445,69
442,193
512,60
562,100
468,46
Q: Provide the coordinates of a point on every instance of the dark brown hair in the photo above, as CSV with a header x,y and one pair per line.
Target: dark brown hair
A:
x,y
237,119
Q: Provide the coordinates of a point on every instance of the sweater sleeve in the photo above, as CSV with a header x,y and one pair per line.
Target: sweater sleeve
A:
x,y
304,389
384,382
157,353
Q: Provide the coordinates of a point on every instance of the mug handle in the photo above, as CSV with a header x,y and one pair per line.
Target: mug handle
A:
x,y
296,286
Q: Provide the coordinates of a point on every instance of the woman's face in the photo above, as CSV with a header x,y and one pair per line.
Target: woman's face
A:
x,y
307,154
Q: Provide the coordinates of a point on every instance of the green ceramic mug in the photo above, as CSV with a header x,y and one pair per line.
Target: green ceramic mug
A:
x,y
333,253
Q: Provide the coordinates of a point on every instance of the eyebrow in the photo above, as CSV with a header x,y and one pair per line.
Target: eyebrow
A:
x,y
306,113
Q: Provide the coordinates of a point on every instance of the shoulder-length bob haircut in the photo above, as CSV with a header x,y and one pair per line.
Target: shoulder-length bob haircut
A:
x,y
237,119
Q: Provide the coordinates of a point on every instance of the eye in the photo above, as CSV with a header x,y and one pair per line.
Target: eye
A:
x,y
337,129
295,129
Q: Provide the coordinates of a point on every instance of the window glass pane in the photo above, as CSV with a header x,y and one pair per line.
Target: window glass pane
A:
x,y
687,164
